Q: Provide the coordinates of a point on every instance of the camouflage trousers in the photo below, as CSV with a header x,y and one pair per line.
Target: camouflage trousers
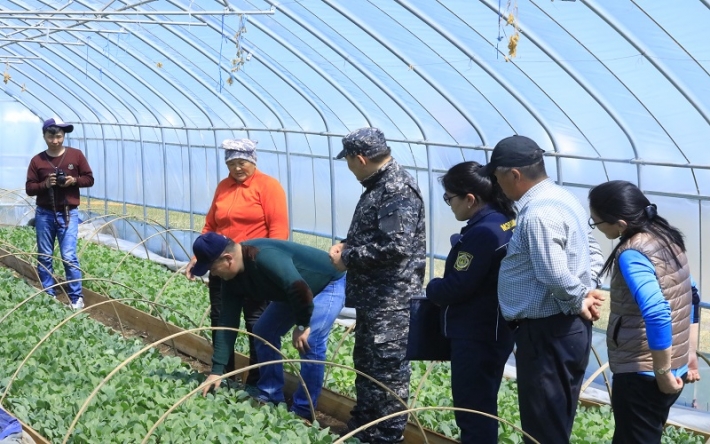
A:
x,y
380,347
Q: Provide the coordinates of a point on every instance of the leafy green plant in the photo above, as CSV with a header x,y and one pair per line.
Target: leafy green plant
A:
x,y
191,300
60,375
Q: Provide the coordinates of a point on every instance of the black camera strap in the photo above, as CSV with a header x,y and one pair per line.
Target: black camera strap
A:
x,y
51,189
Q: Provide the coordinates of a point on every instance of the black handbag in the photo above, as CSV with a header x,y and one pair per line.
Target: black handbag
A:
x,y
426,343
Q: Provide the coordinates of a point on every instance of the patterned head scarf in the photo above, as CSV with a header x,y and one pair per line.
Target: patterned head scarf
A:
x,y
239,149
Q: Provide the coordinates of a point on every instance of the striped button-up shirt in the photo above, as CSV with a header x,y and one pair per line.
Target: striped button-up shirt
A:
x,y
553,260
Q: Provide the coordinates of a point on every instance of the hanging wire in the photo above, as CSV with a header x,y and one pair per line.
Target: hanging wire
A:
x,y
86,66
500,30
219,60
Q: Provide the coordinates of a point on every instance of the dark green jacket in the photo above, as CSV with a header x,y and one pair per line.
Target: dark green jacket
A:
x,y
274,270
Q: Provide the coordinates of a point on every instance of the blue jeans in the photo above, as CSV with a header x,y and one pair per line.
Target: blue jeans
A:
x,y
52,226
276,321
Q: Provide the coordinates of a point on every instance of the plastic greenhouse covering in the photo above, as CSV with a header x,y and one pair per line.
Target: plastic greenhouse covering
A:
x,y
611,89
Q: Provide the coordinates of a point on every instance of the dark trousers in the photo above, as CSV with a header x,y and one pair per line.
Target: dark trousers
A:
x,y
640,409
551,358
252,311
380,346
476,372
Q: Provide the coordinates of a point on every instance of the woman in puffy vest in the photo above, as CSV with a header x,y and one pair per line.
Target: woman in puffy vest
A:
x,y
653,305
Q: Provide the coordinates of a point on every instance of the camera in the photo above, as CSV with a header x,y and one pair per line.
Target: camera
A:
x,y
61,177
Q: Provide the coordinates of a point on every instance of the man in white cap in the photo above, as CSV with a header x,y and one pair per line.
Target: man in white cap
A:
x,y
55,176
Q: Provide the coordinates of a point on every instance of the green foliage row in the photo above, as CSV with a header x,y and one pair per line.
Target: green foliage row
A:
x,y
50,389
191,300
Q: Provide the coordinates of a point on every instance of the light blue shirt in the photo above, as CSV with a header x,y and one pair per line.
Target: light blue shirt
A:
x,y
553,260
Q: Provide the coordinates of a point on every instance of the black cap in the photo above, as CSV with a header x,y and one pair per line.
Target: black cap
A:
x,y
208,248
513,151
367,142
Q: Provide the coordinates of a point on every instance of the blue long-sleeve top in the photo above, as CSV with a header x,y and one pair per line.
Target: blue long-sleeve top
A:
x,y
640,276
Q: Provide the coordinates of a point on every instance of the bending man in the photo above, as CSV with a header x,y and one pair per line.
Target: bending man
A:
x,y
306,290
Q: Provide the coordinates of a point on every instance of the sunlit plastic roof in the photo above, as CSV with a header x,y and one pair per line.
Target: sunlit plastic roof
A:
x,y
611,89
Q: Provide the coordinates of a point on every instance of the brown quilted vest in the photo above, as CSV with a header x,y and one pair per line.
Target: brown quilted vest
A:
x,y
626,334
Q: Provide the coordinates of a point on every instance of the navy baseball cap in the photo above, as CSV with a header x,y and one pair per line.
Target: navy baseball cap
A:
x,y
208,248
68,128
367,142
513,151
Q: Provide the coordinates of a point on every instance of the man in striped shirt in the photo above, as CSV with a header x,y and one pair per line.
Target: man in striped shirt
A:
x,y
547,289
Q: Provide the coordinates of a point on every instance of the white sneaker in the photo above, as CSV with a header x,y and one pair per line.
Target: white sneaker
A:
x,y
78,305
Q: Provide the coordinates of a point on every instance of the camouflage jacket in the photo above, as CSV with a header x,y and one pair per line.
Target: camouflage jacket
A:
x,y
386,244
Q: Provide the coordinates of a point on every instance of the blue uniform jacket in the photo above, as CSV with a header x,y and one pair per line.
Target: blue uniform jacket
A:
x,y
468,292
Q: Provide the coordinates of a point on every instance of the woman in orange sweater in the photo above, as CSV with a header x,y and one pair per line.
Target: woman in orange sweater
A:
x,y
247,204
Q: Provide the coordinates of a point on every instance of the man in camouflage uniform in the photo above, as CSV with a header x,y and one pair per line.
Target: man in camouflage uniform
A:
x,y
384,254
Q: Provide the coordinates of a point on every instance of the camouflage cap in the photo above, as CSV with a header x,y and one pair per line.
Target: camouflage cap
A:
x,y
367,142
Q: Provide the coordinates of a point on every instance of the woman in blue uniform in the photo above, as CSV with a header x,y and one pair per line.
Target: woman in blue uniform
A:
x,y
481,340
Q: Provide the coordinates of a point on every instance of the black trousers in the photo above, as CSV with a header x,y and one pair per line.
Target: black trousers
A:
x,y
476,372
640,409
552,356
252,311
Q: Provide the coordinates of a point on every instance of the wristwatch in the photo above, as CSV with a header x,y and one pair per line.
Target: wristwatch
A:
x,y
661,371
300,327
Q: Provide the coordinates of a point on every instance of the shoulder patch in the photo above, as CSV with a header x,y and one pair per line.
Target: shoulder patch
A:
x,y
463,261
508,225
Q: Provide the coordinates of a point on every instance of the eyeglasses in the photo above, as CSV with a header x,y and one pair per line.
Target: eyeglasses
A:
x,y
448,198
593,224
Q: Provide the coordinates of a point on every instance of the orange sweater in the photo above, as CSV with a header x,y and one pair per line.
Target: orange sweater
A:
x,y
253,209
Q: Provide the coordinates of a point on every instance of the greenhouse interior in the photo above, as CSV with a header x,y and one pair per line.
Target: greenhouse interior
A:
x,y
609,89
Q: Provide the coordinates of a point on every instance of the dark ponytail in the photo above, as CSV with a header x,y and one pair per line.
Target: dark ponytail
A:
x,y
620,200
463,178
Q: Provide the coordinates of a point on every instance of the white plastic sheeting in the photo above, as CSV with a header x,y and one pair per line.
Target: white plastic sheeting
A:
x,y
612,89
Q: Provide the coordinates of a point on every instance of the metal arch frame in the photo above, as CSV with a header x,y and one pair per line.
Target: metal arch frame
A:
x,y
222,97
108,108
643,11
276,72
327,77
616,26
259,97
341,53
385,89
169,103
435,85
501,81
445,34
613,74
27,105
586,87
76,97
110,92
690,56
316,108
581,82
45,103
379,39
230,11
153,111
